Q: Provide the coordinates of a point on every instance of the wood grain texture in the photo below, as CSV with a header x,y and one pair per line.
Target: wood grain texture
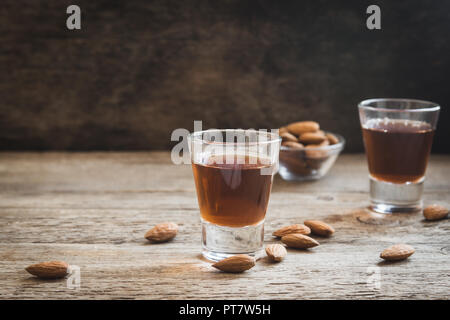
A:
x,y
138,69
93,209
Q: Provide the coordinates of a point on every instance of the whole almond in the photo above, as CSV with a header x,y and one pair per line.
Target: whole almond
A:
x,y
300,127
435,212
286,136
295,228
162,232
322,144
313,153
299,241
319,228
276,252
235,264
292,145
282,130
332,139
49,269
397,252
311,137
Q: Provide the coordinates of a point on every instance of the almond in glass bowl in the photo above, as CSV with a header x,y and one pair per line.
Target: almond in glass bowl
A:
x,y
311,156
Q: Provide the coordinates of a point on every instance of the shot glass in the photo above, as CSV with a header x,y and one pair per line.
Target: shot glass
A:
x,y
233,172
397,134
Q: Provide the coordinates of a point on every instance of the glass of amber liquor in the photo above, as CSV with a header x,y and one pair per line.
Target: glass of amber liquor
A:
x,y
233,172
397,134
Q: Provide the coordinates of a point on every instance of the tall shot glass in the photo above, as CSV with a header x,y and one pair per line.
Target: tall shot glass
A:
x,y
233,172
398,134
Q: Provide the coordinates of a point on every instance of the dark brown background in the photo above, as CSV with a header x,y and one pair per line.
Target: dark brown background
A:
x,y
139,69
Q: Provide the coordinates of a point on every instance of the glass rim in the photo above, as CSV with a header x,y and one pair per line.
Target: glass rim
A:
x,y
365,105
198,137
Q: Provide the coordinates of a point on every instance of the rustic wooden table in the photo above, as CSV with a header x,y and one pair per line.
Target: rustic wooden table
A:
x,y
92,210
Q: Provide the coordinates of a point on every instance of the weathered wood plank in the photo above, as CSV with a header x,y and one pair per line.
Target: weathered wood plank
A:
x,y
140,171
92,210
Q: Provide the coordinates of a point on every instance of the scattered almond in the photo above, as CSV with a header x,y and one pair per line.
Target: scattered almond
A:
x,y
286,136
397,252
319,228
435,212
311,138
295,228
300,127
235,264
49,270
162,232
276,252
293,145
299,241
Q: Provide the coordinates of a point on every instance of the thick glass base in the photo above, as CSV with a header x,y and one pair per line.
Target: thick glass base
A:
x,y
221,242
386,197
291,176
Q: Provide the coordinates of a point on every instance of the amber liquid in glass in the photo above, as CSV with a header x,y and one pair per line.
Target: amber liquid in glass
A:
x,y
232,193
397,150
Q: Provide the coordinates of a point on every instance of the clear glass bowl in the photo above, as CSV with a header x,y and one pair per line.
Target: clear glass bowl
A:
x,y
308,163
